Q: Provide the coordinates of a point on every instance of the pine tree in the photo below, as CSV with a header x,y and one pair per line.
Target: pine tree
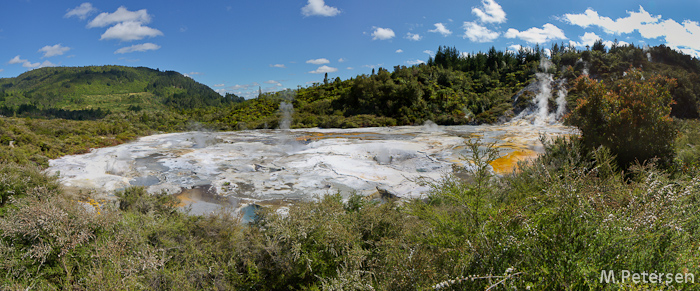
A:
x,y
598,46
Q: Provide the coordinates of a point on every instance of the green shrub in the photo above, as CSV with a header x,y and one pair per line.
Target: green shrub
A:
x,y
687,146
631,117
136,199
46,238
16,180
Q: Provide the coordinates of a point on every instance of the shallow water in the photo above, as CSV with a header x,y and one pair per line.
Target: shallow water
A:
x,y
235,169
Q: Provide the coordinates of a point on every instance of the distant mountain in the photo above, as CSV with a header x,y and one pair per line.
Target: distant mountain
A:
x,y
52,90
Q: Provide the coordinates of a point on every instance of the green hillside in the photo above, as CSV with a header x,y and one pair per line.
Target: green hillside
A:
x,y
76,91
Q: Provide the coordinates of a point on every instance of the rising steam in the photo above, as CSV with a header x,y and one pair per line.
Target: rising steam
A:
x,y
646,50
286,109
539,113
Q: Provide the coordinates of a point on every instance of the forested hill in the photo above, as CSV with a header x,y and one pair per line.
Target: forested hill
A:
x,y
450,88
461,88
91,92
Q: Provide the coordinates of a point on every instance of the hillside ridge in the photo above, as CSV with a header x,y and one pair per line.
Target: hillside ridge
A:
x,y
108,88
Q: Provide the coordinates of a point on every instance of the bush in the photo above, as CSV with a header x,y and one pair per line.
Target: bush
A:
x,y
631,117
136,199
688,146
16,180
46,237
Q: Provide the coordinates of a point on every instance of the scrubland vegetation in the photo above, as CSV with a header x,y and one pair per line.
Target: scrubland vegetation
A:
x,y
625,195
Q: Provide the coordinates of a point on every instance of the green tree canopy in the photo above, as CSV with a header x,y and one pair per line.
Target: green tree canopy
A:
x,y
631,117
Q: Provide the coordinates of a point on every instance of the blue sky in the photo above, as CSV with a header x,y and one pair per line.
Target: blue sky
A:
x,y
237,46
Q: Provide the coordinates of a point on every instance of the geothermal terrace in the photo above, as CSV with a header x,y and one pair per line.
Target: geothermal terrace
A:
x,y
276,167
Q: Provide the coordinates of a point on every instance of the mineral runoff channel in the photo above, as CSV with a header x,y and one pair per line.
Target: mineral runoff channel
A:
x,y
242,170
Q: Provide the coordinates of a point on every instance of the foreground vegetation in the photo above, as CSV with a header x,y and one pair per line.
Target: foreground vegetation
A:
x,y
588,204
554,224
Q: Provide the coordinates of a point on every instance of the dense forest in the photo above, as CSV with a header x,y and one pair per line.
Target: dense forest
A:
x,y
621,196
457,88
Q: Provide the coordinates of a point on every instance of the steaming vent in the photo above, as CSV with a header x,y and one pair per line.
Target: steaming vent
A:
x,y
286,110
548,105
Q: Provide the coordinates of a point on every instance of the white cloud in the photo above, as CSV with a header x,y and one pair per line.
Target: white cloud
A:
x,y
635,20
373,66
128,31
245,86
683,36
248,91
382,33
138,48
31,65
432,53
319,8
54,50
490,12
619,43
46,63
548,52
324,69
282,66
242,87
441,29
125,25
478,33
27,64
190,74
1,70
273,82
514,48
547,33
341,60
413,36
415,62
82,11
398,51
350,68
219,85
16,60
320,61
589,38
121,15
273,88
